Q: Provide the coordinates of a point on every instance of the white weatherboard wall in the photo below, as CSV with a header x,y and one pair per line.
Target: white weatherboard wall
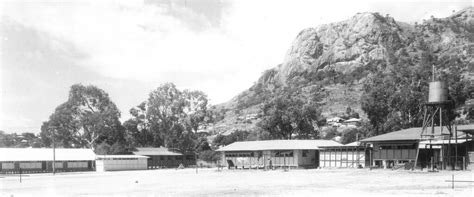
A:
x,y
121,162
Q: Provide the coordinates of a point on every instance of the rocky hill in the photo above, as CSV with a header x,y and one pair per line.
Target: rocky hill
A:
x,y
340,56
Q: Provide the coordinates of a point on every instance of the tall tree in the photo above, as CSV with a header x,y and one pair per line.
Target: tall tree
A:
x,y
137,128
196,109
86,119
375,99
169,118
289,115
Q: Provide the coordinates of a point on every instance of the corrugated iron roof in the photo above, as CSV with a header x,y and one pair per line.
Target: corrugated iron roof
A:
x,y
45,154
121,156
442,142
155,151
278,145
412,134
357,143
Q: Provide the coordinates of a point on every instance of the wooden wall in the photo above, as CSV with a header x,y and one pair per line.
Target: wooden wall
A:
x,y
13,167
170,161
395,151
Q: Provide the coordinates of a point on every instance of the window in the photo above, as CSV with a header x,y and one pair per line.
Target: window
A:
x,y
283,153
241,154
33,165
400,146
189,157
8,166
179,158
58,165
305,153
77,164
170,158
162,158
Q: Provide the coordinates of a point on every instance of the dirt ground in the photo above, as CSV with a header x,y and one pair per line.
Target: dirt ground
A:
x,y
210,182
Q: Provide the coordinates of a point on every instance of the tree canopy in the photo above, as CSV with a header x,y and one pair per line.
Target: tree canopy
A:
x,y
394,99
288,115
86,119
170,117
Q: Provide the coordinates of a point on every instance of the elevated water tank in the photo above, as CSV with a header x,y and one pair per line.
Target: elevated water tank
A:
x,y
438,92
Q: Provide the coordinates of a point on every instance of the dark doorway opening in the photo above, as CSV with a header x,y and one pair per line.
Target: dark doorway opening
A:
x,y
316,158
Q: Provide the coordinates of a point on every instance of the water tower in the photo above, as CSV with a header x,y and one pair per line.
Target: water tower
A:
x,y
436,124
436,112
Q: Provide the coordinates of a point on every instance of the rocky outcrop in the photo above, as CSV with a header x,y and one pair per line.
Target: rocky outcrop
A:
x,y
345,45
355,46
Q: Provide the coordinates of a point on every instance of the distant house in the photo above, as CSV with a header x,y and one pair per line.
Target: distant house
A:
x,y
39,160
164,158
402,147
274,153
352,122
335,121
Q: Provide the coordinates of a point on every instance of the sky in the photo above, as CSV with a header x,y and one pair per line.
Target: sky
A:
x,y
130,47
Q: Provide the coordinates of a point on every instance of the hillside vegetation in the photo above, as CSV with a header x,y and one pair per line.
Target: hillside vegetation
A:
x,y
345,62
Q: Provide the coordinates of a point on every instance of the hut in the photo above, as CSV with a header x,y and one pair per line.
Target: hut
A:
x,y
274,153
407,147
164,158
469,146
120,162
40,160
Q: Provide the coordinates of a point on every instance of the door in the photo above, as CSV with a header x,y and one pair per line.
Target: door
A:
x,y
316,158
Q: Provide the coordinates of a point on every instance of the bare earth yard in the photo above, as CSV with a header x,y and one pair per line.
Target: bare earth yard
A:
x,y
209,182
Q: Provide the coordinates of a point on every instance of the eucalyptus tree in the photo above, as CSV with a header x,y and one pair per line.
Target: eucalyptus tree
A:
x,y
170,117
86,119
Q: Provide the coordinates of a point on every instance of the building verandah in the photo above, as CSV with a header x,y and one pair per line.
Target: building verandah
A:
x,y
272,154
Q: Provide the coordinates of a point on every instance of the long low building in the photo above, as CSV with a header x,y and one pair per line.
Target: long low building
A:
x,y
39,160
274,153
120,162
407,147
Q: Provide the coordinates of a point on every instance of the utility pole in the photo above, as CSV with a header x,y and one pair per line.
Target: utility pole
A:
x,y
196,158
54,150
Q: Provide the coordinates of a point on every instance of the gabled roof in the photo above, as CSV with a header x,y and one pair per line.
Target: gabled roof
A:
x,y
279,145
412,134
46,154
155,151
120,156
356,143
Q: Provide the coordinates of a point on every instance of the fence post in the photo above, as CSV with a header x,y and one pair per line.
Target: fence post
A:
x,y
452,185
432,163
464,165
20,175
